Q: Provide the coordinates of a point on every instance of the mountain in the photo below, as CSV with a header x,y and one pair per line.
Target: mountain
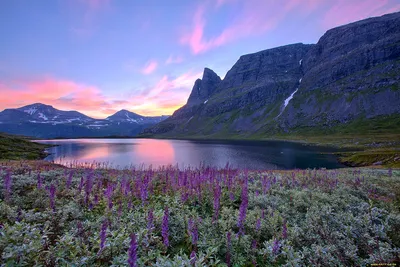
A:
x,y
131,117
352,74
44,121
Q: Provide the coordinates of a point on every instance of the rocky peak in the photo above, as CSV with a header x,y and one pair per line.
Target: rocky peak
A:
x,y
204,88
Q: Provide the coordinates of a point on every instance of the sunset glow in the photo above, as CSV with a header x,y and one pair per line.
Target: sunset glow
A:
x,y
101,56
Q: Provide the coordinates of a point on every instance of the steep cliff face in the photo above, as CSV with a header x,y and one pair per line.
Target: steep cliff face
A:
x,y
352,72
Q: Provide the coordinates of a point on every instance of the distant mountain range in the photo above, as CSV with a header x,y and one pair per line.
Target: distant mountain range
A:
x,y
351,76
44,121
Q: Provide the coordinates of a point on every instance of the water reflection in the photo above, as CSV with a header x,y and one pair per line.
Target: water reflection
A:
x,y
240,154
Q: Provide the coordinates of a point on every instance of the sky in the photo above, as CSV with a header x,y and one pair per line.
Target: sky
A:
x,y
101,56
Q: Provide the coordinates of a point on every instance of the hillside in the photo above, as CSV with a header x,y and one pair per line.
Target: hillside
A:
x,y
17,148
351,76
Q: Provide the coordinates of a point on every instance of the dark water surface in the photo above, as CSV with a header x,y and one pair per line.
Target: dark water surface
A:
x,y
255,155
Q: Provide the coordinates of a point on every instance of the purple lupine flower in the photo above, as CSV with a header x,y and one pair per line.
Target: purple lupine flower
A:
x,y
164,230
7,184
88,187
39,181
69,180
254,244
81,184
276,246
258,224
217,196
228,248
132,252
103,235
52,196
390,172
193,258
243,209
193,232
150,221
109,193
284,229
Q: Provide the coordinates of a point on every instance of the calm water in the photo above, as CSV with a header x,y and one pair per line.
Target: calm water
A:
x,y
240,154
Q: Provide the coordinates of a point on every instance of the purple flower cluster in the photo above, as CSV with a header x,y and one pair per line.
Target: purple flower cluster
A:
x,y
103,235
52,197
284,229
243,207
39,181
164,227
7,185
217,197
193,232
132,252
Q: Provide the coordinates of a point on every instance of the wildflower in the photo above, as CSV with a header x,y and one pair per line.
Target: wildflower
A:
x,y
243,209
52,196
276,246
164,230
103,233
217,196
193,258
258,224
132,252
69,180
284,230
193,232
7,184
39,181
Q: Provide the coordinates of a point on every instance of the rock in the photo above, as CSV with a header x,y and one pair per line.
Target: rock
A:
x,y
377,163
352,73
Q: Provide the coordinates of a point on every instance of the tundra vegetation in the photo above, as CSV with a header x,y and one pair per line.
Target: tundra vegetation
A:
x,y
52,215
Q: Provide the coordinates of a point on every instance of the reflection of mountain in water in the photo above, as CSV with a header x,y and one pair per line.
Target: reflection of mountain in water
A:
x,y
239,154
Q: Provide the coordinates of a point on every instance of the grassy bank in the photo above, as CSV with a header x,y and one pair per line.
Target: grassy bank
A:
x,y
18,147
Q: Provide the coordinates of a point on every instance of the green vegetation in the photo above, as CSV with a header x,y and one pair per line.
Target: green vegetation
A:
x,y
198,217
17,147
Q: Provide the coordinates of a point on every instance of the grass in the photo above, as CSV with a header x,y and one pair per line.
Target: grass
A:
x,y
18,147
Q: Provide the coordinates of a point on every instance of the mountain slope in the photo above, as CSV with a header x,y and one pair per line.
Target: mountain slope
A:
x,y
44,121
352,73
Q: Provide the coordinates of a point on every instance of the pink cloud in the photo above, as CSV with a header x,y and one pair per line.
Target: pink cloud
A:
x,y
174,60
150,67
166,96
62,94
256,17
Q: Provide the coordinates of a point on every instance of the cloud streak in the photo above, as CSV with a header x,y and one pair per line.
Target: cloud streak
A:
x,y
163,98
256,17
150,67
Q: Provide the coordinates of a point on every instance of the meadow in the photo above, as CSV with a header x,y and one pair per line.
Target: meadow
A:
x,y
57,216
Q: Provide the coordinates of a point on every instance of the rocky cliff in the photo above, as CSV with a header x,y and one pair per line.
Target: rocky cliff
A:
x,y
353,72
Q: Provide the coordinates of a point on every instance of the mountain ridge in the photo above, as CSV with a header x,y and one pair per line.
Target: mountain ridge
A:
x,y
351,73
44,121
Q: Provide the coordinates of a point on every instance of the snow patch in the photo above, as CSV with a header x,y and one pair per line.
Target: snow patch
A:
x,y
30,111
300,80
205,102
189,119
301,61
42,116
286,102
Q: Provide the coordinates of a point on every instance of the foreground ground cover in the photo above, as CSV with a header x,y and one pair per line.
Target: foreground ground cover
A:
x,y
197,216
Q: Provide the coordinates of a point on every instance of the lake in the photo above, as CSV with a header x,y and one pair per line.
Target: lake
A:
x,y
253,155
